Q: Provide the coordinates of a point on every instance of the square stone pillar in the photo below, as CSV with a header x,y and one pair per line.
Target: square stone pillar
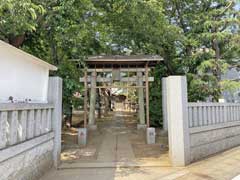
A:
x,y
93,92
55,97
141,111
178,129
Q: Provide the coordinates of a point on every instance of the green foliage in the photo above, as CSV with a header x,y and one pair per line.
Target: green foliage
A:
x,y
155,99
19,17
229,85
208,46
198,89
199,39
70,75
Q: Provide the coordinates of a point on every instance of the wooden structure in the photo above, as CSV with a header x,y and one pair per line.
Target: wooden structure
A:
x,y
104,71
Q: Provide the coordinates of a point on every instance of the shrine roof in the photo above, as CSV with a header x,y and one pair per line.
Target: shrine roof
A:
x,y
138,60
123,61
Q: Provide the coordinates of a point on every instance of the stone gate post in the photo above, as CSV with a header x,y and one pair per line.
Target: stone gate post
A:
x,y
55,97
178,129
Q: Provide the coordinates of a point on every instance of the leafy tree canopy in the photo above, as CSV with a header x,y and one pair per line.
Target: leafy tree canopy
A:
x,y
199,39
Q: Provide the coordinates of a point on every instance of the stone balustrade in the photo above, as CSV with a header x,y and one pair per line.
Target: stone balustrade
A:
x,y
204,114
22,122
197,130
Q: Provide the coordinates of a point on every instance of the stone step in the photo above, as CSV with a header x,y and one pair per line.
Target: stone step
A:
x,y
126,164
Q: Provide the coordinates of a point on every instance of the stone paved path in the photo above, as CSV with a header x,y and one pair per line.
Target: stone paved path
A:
x,y
116,143
116,146
223,166
117,161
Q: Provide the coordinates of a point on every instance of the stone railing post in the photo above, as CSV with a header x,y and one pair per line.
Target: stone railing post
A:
x,y
178,129
55,97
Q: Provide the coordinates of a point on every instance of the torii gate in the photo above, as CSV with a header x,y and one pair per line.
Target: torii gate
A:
x,y
98,66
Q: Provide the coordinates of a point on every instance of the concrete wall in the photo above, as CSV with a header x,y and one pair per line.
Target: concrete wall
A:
x,y
30,136
206,141
28,165
198,130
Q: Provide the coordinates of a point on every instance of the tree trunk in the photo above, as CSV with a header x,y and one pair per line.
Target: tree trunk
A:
x,y
16,41
217,69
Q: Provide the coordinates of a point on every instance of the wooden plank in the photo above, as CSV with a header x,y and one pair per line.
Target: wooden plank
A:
x,y
117,86
121,69
22,126
13,128
122,79
30,124
3,129
125,58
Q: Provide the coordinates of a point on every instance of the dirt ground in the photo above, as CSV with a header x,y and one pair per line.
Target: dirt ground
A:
x,y
72,151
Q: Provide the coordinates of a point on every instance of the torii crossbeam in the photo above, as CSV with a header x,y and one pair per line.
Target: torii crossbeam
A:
x,y
110,69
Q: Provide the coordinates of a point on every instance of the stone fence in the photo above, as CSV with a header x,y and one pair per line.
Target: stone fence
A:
x,y
30,136
197,130
21,122
203,114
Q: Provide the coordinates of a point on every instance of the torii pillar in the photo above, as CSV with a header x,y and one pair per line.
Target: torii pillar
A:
x,y
92,121
141,112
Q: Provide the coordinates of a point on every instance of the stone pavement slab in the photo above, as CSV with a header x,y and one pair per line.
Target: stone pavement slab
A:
x,y
223,166
116,161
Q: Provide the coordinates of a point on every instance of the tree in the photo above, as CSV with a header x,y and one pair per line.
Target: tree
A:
x,y
56,31
207,28
18,18
199,39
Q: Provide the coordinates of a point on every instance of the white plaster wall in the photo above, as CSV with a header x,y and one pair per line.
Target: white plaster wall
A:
x,y
22,78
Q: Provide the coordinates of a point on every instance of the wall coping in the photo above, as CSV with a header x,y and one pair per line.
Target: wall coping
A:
x,y
14,150
197,104
213,127
24,106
